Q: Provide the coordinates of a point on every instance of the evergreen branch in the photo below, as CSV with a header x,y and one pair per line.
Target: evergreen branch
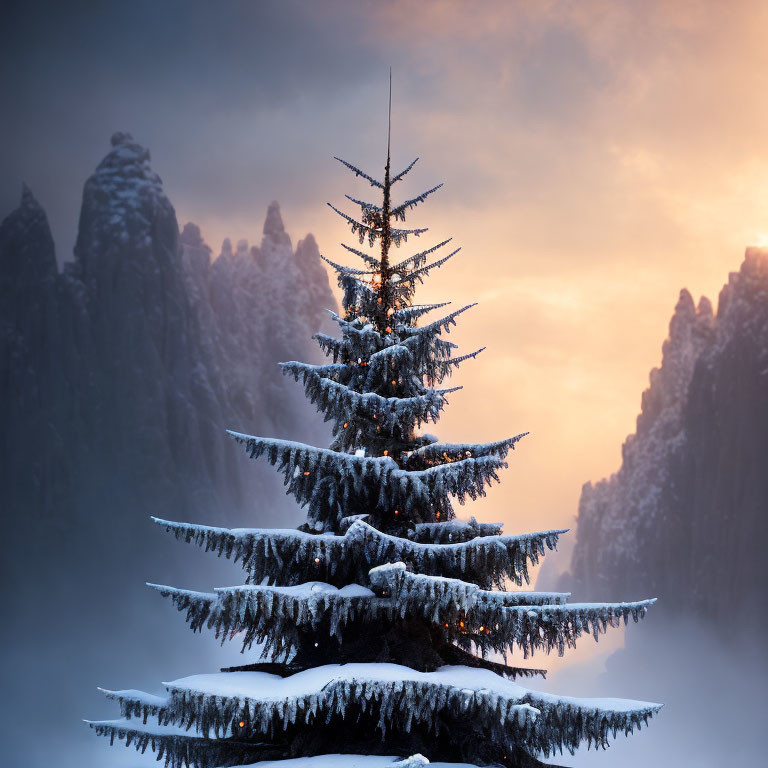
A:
x,y
291,557
448,452
455,655
422,272
304,370
345,270
456,361
358,172
549,627
400,175
274,616
487,560
358,227
437,326
399,212
372,233
392,696
373,262
365,206
419,258
415,311
342,403
451,531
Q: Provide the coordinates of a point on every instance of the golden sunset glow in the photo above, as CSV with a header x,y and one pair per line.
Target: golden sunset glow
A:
x,y
597,157
638,166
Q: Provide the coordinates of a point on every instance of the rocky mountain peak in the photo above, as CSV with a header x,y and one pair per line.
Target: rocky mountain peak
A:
x,y
27,253
192,236
684,517
226,248
126,221
273,223
690,331
243,251
274,230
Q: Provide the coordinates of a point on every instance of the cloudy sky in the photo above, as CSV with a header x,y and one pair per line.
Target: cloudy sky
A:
x,y
597,156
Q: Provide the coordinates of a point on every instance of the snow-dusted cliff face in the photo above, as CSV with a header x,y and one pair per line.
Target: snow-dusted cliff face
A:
x,y
686,516
118,378
141,353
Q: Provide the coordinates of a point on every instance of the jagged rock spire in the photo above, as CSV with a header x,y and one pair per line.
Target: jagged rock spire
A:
x,y
27,253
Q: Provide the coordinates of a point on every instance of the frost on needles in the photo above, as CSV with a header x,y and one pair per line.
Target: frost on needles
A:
x,y
384,627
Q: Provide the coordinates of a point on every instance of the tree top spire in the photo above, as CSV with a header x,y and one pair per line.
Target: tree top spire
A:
x,y
389,115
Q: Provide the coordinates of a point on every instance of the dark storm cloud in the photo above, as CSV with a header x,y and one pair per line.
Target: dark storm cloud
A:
x,y
187,79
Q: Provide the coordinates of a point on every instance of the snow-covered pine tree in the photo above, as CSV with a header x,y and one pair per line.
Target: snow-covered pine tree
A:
x,y
382,626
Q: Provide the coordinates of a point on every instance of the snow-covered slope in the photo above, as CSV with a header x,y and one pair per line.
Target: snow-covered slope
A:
x,y
685,516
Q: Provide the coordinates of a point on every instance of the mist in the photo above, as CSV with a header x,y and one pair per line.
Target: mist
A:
x,y
712,688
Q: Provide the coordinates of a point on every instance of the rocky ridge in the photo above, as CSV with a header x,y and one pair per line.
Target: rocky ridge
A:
x,y
684,518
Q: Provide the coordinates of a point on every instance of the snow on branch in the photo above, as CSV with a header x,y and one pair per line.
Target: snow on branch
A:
x,y
549,627
368,259
399,212
486,561
442,453
358,227
451,531
419,258
446,366
291,557
406,314
443,324
400,175
429,351
371,213
342,270
303,370
364,205
343,404
448,602
282,555
407,281
397,698
381,364
330,481
363,230
178,746
273,616
367,342
415,593
358,295
358,172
